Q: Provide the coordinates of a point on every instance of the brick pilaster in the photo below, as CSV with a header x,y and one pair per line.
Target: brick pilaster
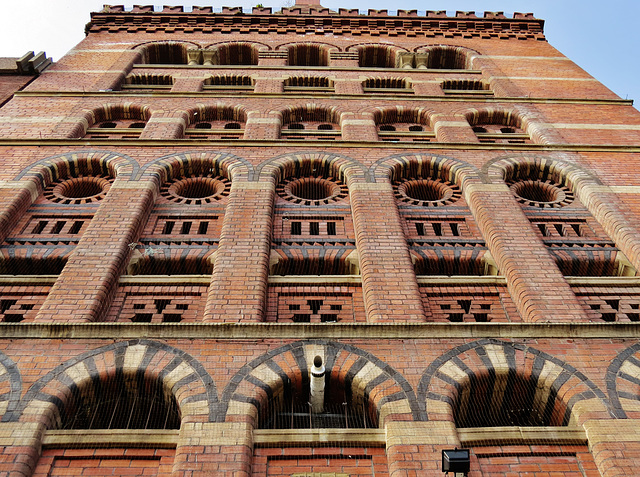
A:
x,y
358,127
15,198
453,129
534,281
116,73
187,84
415,448
163,125
348,86
19,447
615,445
222,449
427,88
262,125
389,284
100,256
268,85
238,290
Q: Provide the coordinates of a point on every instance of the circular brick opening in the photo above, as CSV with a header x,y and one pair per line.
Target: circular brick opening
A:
x,y
78,190
426,192
543,194
312,190
196,190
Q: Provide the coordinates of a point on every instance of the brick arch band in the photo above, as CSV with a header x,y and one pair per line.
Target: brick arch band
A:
x,y
196,163
424,165
183,375
558,385
308,163
623,379
366,374
10,388
531,166
61,166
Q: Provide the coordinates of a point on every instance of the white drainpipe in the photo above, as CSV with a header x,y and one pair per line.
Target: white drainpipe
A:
x,y
317,385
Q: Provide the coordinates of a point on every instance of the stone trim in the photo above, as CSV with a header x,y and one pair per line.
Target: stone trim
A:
x,y
318,437
476,436
153,438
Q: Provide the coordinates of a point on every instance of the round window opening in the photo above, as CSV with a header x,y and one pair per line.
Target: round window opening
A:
x,y
312,190
196,190
426,192
542,194
78,190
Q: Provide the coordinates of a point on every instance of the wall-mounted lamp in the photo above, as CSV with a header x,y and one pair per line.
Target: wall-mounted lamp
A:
x,y
456,461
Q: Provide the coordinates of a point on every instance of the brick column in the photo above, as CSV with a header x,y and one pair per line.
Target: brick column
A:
x,y
15,198
615,445
165,125
221,449
86,285
238,290
358,127
389,284
453,129
534,281
415,448
262,125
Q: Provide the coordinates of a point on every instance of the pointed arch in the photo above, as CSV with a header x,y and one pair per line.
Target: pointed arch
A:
x,y
180,374
362,372
557,391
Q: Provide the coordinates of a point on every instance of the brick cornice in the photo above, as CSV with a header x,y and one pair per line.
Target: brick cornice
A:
x,y
238,331
324,22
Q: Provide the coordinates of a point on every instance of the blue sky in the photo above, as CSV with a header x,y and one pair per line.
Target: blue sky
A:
x,y
603,38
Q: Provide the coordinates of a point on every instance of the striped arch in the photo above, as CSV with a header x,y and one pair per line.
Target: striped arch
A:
x,y
527,122
217,112
535,167
403,114
110,112
308,53
182,375
365,375
10,388
303,164
623,383
448,56
376,55
198,163
311,112
555,390
431,166
73,164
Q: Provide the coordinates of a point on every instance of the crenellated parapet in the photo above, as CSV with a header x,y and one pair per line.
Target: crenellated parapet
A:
x,y
144,18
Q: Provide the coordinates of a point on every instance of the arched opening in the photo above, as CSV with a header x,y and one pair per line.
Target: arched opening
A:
x,y
403,125
310,122
164,53
216,123
376,56
447,58
498,127
124,121
308,54
121,401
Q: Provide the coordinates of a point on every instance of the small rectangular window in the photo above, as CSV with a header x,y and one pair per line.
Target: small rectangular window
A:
x,y
314,228
296,228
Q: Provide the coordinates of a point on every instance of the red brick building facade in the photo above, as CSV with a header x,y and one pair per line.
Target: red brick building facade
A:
x,y
195,205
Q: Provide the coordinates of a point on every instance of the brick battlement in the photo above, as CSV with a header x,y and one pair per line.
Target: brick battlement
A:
x,y
344,21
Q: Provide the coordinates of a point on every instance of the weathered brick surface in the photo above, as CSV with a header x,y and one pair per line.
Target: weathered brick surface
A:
x,y
245,251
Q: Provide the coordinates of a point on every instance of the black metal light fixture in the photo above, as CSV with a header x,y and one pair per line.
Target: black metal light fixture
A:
x,y
456,461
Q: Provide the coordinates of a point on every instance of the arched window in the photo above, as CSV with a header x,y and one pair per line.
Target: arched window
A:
x,y
212,122
312,84
310,122
399,124
164,53
308,54
117,122
498,127
376,56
